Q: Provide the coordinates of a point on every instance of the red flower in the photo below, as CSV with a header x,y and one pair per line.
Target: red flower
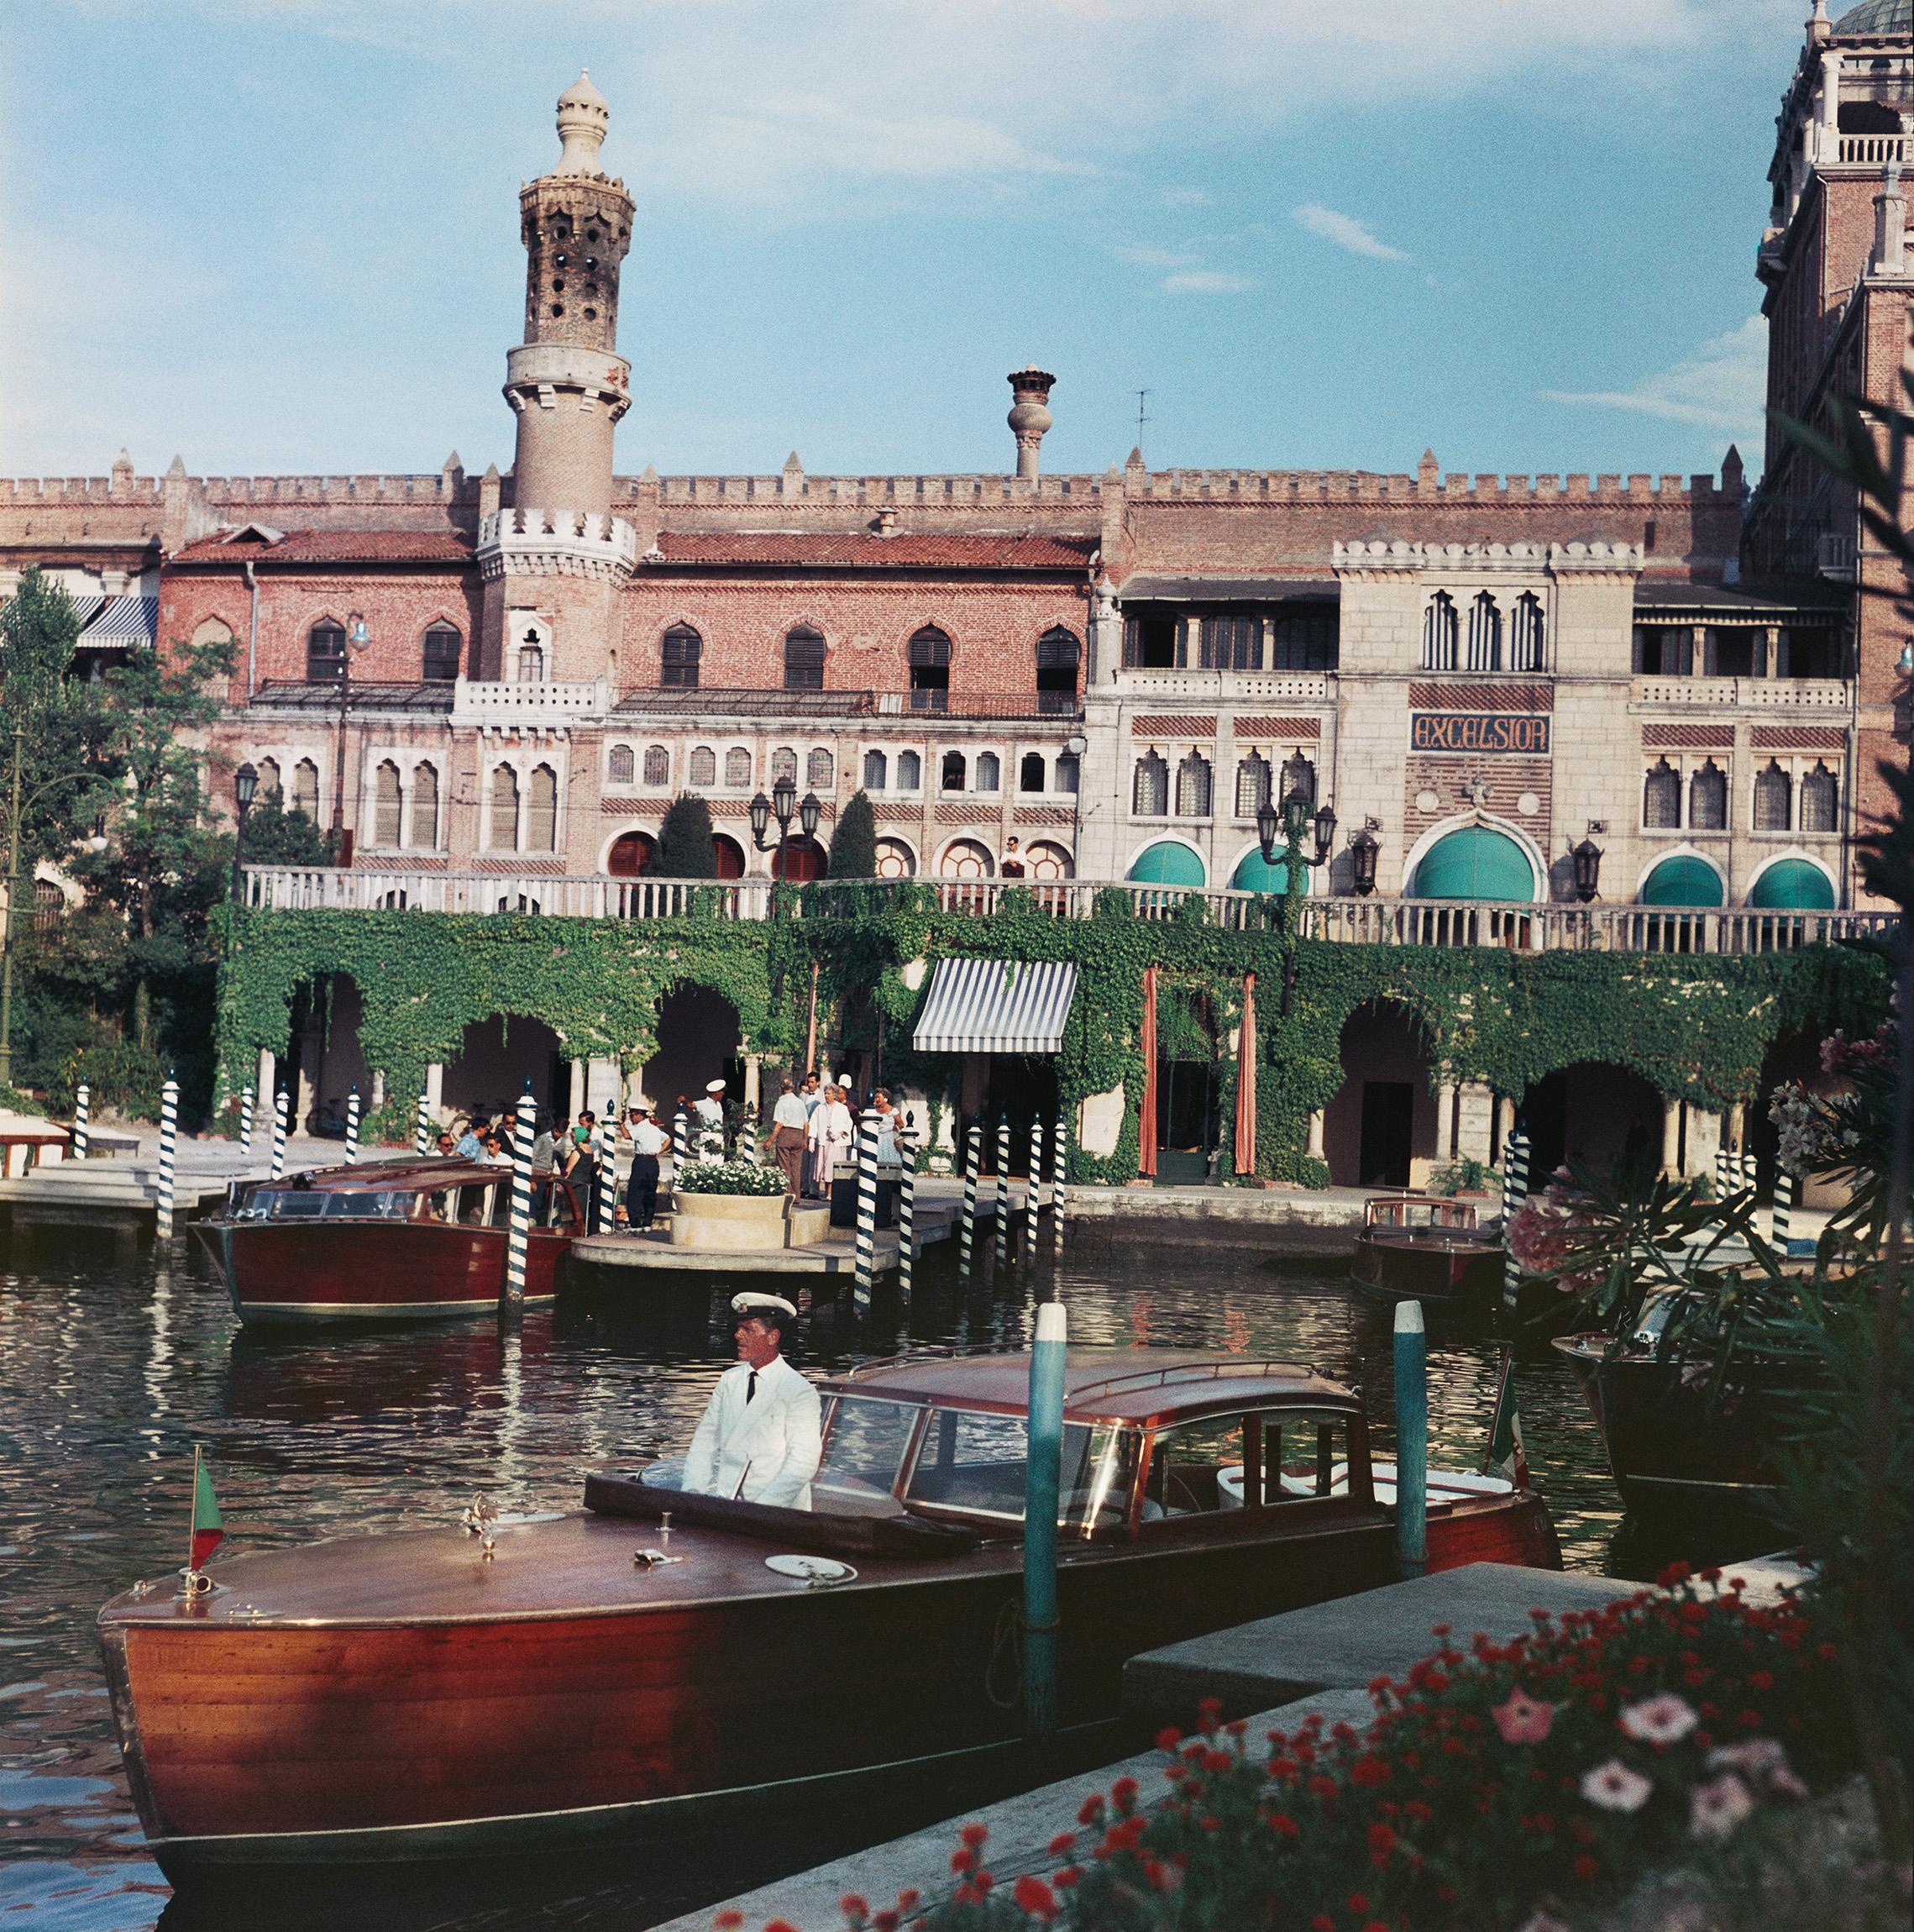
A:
x,y
854,1908
728,1921
1381,1838
1210,1710
983,1882
1090,1811
1067,1877
1761,1680
780,1925
1168,1737
973,1835
1322,1923
1060,1844
1585,1868
964,1861
1283,1767
1285,1826
907,1899
886,1922
1369,1769
1123,1793
1323,1786
964,1895
1034,1897
1357,1903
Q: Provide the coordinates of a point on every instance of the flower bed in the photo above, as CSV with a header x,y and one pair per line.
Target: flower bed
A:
x,y
1493,1782
727,1178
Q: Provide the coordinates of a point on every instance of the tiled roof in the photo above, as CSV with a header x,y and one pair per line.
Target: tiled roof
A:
x,y
331,547
866,551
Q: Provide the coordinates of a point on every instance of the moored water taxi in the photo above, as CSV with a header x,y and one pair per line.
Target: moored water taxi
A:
x,y
1425,1247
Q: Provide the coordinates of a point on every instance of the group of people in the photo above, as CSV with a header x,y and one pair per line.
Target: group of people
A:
x,y
813,1128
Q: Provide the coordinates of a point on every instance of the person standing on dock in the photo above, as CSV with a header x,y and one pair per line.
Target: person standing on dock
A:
x,y
832,1132
787,1141
761,1436
648,1141
709,1113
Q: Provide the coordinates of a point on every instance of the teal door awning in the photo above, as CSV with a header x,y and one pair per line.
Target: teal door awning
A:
x,y
1167,862
1254,875
1475,862
1792,885
1682,880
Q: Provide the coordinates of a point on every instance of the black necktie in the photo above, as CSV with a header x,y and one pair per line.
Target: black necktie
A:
x,y
751,1388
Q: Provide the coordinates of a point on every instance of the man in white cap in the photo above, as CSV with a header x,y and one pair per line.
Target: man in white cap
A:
x,y
760,1438
709,1115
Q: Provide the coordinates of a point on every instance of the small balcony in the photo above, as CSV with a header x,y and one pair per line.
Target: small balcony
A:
x,y
1220,687
1817,697
478,702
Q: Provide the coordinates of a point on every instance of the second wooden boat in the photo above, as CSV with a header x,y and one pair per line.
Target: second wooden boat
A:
x,y
1425,1248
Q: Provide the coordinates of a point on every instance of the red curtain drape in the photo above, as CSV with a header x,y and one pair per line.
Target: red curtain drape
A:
x,y
1146,1123
1246,1081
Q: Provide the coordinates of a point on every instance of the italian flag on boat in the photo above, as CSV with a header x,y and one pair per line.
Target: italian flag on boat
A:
x,y
1505,1455
209,1525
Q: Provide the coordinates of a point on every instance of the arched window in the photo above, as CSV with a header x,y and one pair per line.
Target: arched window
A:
x,y
737,768
1773,798
822,775
1067,772
1150,787
910,771
385,806
1707,799
1661,797
783,764
965,859
1058,653
1439,633
439,654
1820,801
804,659
1252,784
623,764
425,808
1193,787
1029,772
929,657
1526,640
325,655
1485,634
501,835
704,768
987,771
894,860
679,655
542,819
955,773
658,765
877,771
269,782
1299,778
530,660
305,789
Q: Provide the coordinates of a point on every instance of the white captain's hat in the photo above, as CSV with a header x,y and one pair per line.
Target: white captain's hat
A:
x,y
749,1303
713,1086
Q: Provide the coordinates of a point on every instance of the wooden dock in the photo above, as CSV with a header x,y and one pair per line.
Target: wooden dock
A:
x,y
834,1254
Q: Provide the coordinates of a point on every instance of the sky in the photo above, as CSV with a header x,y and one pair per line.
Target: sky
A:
x,y
282,235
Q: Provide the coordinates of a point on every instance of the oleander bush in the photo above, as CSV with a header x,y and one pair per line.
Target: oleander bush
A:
x,y
727,1178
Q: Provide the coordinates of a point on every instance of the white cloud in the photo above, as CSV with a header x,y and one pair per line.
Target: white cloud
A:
x,y
1723,385
1346,231
1208,281
1183,197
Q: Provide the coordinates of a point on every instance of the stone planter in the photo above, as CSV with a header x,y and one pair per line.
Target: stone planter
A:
x,y
745,1221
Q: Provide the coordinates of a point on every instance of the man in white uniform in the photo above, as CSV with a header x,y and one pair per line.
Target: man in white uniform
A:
x,y
709,1114
761,1436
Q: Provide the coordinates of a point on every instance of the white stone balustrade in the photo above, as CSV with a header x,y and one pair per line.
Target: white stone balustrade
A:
x,y
480,702
1820,696
551,535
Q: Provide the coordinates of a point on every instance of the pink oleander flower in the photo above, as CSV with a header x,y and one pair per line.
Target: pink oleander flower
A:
x,y
1664,1720
1541,1921
1523,1719
1613,1787
1716,1810
1764,1759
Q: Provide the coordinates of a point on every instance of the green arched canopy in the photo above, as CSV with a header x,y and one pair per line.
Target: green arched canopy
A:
x,y
1793,885
1682,880
1253,875
1475,862
1166,862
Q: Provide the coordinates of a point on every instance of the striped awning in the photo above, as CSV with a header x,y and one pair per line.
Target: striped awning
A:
x,y
996,1006
122,621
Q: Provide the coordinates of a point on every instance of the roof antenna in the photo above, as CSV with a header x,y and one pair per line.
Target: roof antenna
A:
x,y
1142,397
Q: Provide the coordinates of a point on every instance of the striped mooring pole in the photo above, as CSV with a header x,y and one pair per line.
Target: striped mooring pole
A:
x,y
352,1127
607,1191
906,1215
1033,1195
421,1130
1514,1192
169,1130
1059,1172
281,1101
865,1264
1747,1171
1784,1208
1724,1171
681,1141
1003,1203
518,1228
245,1114
83,1104
967,1221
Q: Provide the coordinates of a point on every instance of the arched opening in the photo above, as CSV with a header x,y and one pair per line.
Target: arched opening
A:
x,y
305,789
501,831
698,1042
1475,862
804,659
325,653
737,769
727,855
658,765
895,860
633,855
877,771
800,859
496,1059
1047,859
1029,772
1194,786
1255,874
1150,787
439,655
621,766
386,803
1380,1129
966,859
1591,1111
1168,861
1792,885
1683,879
678,653
928,658
542,819
1189,1084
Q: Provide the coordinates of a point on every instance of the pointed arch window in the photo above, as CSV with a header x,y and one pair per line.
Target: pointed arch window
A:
x,y
1252,784
1773,798
1058,653
1526,638
542,816
1820,801
531,661
877,771
703,772
270,784
783,764
804,659
658,765
1485,634
678,658
440,653
305,789
1029,772
1194,786
1661,797
988,770
385,806
425,808
1707,799
1068,772
820,775
1299,778
1439,630
955,774
623,764
325,655
1150,787
501,831
910,771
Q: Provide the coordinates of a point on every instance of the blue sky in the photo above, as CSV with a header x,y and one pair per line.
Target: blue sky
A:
x,y
282,234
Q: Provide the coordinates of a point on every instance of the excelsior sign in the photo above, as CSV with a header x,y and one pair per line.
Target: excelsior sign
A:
x,y
1479,732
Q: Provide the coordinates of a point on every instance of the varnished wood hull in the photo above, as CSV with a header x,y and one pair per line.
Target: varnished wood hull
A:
x,y
339,1740
371,1270
1418,1265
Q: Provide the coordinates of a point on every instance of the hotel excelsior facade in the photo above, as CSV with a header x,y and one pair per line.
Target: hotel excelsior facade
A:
x,y
494,686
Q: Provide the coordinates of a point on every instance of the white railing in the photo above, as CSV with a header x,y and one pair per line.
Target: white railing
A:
x,y
1821,695
1223,687
1871,150
1511,925
529,701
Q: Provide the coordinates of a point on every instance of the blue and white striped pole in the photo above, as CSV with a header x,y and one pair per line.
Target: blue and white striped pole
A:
x,y
245,1116
1412,1441
680,1142
967,1221
1784,1209
281,1101
906,1213
1059,1174
866,1262
1043,1468
83,1104
352,1127
518,1228
169,1129
1514,1192
422,1134
1033,1193
1003,1205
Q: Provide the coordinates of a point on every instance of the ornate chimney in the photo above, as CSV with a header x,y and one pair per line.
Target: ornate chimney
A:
x,y
1029,414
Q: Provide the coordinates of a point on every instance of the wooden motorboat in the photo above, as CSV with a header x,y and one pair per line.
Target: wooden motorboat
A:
x,y
384,1241
1423,1247
614,1675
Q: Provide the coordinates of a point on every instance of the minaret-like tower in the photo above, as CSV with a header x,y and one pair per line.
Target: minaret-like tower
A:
x,y
566,379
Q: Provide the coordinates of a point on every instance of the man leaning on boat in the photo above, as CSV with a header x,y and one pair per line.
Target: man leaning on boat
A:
x,y
760,1438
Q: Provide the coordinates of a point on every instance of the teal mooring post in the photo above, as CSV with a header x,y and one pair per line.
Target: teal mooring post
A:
x,y
1042,1484
1412,1441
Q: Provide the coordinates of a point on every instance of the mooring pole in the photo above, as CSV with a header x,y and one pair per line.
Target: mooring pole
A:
x,y
1003,1205
1033,1195
906,1215
866,1262
606,1191
245,1114
518,1228
82,1103
281,1100
1412,1441
1042,1488
169,1129
422,1134
967,1222
1059,1176
352,1126
680,1143
1514,1192
1784,1209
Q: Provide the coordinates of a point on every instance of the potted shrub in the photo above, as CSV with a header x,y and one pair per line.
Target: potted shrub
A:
x,y
728,1205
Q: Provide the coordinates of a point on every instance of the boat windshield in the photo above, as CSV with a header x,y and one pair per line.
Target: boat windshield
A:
x,y
370,1203
975,1463
864,1445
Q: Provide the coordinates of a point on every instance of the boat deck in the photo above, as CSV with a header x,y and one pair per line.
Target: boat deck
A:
x,y
835,1254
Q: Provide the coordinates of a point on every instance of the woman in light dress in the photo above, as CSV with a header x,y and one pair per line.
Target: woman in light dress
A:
x,y
831,1134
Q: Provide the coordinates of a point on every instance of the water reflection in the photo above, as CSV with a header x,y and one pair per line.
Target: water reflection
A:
x,y
114,1360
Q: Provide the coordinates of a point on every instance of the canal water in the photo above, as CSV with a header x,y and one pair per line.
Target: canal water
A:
x,y
116,1359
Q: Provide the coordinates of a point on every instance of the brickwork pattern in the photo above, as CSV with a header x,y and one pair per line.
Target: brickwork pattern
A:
x,y
1686,738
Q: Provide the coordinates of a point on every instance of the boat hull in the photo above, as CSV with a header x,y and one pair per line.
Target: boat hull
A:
x,y
1426,1265
372,1270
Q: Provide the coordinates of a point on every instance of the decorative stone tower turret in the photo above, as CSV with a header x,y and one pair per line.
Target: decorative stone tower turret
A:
x,y
566,379
1029,414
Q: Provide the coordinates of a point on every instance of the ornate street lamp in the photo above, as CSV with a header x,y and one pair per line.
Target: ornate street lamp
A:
x,y
1588,860
782,806
358,637
808,814
246,788
1362,850
1292,825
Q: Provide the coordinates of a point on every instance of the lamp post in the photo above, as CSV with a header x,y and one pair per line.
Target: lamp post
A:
x,y
1293,823
782,805
357,638
1587,858
246,788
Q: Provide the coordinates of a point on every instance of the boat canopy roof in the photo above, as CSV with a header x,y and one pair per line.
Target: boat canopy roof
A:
x,y
1144,1386
388,1176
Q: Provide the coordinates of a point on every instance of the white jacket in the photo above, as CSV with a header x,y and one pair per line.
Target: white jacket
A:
x,y
766,1451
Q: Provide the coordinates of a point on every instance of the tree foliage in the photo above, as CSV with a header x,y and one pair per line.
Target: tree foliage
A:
x,y
854,844
685,849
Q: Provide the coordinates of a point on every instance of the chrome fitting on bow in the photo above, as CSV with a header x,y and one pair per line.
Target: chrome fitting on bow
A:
x,y
479,1520
653,1559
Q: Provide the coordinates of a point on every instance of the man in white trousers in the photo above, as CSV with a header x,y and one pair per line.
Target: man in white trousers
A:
x,y
760,1438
